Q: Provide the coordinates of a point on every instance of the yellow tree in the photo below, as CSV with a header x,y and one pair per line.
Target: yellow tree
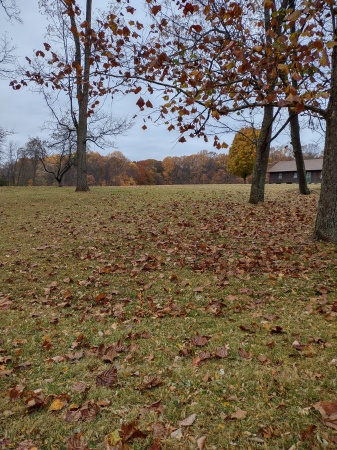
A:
x,y
242,153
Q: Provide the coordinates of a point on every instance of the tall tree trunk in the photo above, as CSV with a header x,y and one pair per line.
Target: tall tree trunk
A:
x,y
83,100
297,147
262,157
326,220
263,142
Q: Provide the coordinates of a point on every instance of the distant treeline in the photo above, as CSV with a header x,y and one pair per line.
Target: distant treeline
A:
x,y
116,170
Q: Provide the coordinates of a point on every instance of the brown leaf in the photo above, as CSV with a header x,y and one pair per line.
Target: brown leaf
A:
x,y
129,431
203,356
156,445
26,445
100,297
239,414
36,399
328,411
199,341
177,434
150,382
305,349
107,378
201,442
264,360
244,354
156,407
86,412
107,354
77,442
222,352
308,433
159,430
277,330
80,387
16,392
5,303
188,421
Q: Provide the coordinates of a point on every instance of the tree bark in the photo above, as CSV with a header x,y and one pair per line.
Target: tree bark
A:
x,y
83,99
297,147
262,157
326,220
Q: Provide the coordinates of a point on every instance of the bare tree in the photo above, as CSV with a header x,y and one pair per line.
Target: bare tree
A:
x,y
11,12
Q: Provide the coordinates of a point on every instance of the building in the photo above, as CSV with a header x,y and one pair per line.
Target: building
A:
x,y
285,171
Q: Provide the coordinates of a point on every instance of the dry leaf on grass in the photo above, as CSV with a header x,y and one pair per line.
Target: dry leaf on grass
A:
x,y
26,445
77,442
129,431
199,341
159,430
107,378
150,382
201,442
156,445
328,411
111,440
177,434
188,421
244,354
85,412
221,352
58,404
239,414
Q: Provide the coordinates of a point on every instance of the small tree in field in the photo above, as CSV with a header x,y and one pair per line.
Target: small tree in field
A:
x,y
242,153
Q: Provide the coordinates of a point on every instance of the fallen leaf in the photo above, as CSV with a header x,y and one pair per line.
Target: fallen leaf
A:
x,y
156,445
308,433
222,352
328,411
107,378
77,442
177,434
159,430
129,431
239,414
26,445
188,421
112,439
16,392
57,405
80,387
199,341
150,382
86,412
201,442
264,360
244,354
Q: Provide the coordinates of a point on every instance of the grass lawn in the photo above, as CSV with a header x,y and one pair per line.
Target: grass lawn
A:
x,y
169,317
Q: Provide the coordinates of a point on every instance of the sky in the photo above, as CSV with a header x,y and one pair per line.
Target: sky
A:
x,y
24,111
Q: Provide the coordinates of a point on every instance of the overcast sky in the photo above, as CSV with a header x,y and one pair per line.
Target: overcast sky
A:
x,y
24,111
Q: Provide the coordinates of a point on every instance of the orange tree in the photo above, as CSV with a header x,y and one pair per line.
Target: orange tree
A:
x,y
242,153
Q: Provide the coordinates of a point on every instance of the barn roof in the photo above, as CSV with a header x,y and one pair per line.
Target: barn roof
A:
x,y
290,166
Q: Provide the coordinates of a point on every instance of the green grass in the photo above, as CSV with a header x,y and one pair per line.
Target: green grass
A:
x,y
173,262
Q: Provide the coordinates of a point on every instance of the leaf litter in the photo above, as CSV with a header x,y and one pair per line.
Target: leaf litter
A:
x,y
149,318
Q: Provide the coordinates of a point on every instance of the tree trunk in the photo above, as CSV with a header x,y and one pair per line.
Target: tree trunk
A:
x,y
297,147
262,157
81,151
326,220
83,99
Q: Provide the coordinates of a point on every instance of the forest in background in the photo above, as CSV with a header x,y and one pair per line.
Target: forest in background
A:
x,y
31,166
23,168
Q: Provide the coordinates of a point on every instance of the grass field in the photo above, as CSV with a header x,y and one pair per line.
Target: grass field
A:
x,y
165,318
